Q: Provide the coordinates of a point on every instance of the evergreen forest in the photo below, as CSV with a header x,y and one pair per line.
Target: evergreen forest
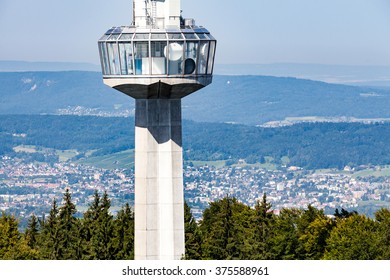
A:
x,y
228,230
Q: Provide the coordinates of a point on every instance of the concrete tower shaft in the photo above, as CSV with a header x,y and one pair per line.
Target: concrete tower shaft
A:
x,y
159,198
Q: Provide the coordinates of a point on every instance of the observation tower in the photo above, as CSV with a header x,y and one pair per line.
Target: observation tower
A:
x,y
158,59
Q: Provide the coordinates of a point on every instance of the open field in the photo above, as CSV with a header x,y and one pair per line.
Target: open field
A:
x,y
216,163
377,172
25,149
124,159
66,155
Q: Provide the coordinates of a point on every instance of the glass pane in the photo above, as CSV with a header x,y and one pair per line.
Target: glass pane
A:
x,y
113,57
104,59
202,36
211,37
203,56
191,56
175,57
160,36
113,37
104,37
141,54
175,36
190,36
109,31
126,53
117,30
159,61
142,36
126,37
211,58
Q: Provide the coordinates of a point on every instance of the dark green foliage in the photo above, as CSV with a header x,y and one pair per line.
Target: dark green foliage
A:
x,y
103,231
313,241
226,230
104,237
343,213
383,218
293,234
123,240
90,226
68,227
6,141
284,242
32,231
193,238
229,230
308,145
12,244
354,238
50,242
107,135
9,235
313,230
97,236
264,219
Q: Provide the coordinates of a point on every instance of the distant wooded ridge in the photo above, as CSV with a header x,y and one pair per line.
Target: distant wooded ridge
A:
x,y
251,100
308,145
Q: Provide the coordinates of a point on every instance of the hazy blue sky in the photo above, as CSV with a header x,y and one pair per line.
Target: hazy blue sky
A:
x,y
354,32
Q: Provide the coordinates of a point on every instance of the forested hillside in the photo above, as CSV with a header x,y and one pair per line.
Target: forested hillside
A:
x,y
309,145
241,99
228,230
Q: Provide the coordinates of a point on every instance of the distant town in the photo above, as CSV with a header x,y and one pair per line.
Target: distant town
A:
x,y
27,188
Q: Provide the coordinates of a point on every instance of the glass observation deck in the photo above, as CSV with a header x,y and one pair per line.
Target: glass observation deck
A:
x,y
131,55
127,51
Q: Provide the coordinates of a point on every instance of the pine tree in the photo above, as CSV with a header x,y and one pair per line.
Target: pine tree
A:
x,y
12,245
68,233
263,220
216,229
193,240
227,230
9,235
32,232
284,241
244,232
98,227
90,227
50,242
102,239
383,219
123,241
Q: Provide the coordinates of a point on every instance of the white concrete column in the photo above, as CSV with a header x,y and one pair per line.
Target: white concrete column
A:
x,y
159,208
